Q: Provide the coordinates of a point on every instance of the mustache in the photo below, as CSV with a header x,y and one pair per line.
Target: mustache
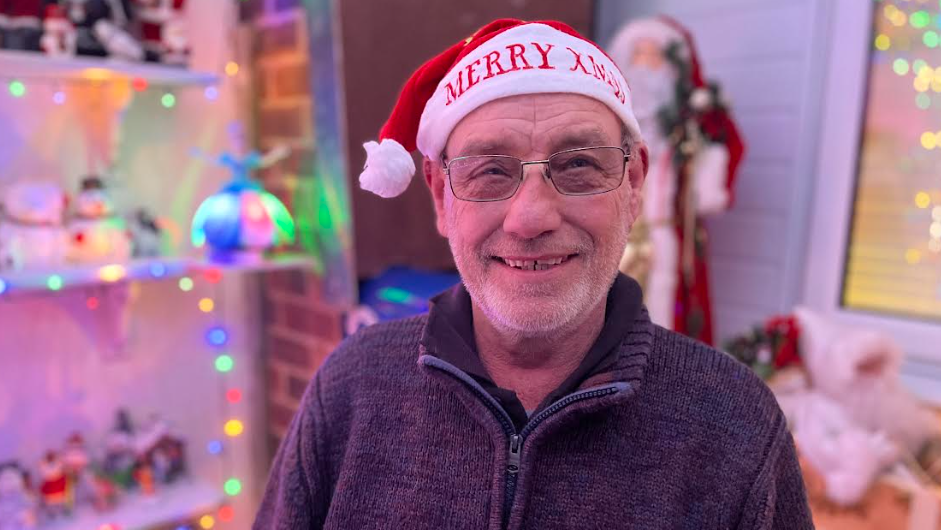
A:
x,y
548,245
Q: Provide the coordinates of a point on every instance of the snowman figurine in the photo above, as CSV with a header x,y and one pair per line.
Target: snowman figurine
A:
x,y
96,234
31,231
17,504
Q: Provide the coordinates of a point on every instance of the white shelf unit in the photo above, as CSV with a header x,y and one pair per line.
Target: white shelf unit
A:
x,y
22,65
13,283
179,504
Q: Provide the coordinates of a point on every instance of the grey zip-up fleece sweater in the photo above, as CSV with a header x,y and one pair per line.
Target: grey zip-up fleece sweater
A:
x,y
670,435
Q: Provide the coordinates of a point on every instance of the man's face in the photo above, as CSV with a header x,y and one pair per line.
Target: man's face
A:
x,y
587,233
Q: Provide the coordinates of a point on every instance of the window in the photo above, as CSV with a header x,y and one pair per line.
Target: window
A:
x,y
893,259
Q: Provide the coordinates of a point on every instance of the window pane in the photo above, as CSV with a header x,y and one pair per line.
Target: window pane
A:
x,y
893,261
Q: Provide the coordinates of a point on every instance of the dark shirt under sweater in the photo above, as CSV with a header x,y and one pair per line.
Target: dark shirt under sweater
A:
x,y
665,433
450,337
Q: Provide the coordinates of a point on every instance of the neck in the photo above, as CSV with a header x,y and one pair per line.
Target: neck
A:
x,y
534,366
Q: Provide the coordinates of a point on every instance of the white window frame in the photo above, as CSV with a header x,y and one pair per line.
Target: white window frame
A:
x,y
841,120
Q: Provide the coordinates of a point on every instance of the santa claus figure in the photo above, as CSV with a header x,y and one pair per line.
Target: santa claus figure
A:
x,y
31,231
59,35
21,24
102,28
695,150
163,30
96,234
54,485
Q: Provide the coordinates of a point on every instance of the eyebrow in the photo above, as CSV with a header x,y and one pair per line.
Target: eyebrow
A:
x,y
588,137
485,146
591,137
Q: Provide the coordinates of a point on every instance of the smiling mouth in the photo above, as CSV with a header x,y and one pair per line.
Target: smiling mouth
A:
x,y
535,264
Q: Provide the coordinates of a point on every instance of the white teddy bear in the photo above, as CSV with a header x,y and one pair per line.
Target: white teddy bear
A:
x,y
850,416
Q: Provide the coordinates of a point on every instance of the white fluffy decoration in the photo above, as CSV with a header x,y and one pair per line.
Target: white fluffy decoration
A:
x,y
847,456
710,175
851,417
389,168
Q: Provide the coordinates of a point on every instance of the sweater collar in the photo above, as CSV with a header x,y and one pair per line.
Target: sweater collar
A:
x,y
619,354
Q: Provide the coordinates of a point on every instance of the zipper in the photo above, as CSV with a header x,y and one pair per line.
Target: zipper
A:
x,y
515,446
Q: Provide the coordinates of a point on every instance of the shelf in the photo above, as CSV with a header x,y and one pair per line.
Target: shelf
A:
x,y
180,503
33,281
35,65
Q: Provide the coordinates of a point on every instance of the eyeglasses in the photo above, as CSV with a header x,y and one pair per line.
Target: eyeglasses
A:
x,y
583,171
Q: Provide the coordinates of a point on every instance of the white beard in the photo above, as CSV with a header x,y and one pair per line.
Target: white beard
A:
x,y
651,90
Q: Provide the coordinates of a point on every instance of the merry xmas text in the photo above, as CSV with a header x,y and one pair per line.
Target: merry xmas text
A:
x,y
496,63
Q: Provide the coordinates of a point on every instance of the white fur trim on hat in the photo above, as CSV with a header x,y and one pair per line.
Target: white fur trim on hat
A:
x,y
527,59
388,170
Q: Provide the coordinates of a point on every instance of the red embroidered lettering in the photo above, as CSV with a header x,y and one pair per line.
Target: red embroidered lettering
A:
x,y
452,94
578,61
516,52
599,70
471,80
493,58
545,56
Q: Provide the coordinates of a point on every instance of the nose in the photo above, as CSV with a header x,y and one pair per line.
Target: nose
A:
x,y
534,209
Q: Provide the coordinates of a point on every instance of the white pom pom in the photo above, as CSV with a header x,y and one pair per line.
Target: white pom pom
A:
x,y
389,168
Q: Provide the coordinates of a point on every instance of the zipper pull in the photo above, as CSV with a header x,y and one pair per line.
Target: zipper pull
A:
x,y
513,461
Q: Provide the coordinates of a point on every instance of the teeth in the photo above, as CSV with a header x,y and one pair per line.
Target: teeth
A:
x,y
534,265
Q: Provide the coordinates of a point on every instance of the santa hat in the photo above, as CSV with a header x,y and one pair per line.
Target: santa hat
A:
x,y
665,31
504,58
55,19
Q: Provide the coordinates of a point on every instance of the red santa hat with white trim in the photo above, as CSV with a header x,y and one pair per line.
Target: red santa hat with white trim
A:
x,y
504,58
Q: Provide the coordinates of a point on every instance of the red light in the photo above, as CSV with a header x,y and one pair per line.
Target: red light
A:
x,y
139,84
80,237
234,395
226,513
213,275
92,303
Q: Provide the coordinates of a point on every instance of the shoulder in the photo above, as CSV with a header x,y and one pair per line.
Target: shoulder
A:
x,y
378,352
705,386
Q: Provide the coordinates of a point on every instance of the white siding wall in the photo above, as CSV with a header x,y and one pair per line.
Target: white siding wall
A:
x,y
769,57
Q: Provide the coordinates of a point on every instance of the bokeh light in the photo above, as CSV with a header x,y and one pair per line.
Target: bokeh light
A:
x,y
186,284
883,42
900,66
224,363
206,305
233,428
233,487
922,199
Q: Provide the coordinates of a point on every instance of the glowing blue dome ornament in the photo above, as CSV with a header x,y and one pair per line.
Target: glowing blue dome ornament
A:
x,y
242,220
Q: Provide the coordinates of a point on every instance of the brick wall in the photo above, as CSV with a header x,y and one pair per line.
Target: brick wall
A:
x,y
299,326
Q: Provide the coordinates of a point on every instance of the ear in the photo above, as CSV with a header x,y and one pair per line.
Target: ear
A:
x,y
636,174
434,177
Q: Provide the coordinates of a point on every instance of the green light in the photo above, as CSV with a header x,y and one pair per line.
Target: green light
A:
x,y
918,64
168,100
224,363
394,295
930,39
54,282
186,284
919,19
900,66
922,101
233,487
17,89
282,219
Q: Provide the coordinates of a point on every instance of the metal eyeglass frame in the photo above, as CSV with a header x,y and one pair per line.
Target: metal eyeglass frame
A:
x,y
547,174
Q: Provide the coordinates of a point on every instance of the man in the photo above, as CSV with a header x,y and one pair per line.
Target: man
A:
x,y
695,151
536,394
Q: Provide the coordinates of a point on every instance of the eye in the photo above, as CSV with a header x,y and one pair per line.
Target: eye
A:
x,y
580,162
